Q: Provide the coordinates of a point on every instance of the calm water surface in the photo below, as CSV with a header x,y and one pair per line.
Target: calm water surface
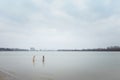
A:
x,y
61,65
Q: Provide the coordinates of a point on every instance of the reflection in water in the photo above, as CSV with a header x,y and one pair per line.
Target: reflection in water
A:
x,y
33,60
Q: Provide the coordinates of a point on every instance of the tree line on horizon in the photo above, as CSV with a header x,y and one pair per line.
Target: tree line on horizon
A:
x,y
13,49
111,48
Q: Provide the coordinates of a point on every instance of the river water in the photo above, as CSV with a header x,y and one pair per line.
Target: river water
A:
x,y
38,65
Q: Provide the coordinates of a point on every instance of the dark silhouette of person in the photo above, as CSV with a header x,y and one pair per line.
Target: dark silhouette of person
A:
x,y
43,59
33,59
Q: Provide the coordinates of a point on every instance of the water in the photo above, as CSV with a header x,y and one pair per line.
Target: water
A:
x,y
60,65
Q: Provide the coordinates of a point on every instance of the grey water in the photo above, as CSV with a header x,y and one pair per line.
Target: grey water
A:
x,y
33,65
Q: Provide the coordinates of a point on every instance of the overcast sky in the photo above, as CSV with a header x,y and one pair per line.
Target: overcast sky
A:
x,y
53,24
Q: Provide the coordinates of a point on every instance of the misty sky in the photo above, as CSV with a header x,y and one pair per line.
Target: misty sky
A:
x,y
53,24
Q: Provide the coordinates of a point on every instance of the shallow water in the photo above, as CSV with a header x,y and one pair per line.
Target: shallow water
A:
x,y
61,65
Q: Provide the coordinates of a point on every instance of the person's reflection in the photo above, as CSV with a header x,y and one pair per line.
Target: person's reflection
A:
x,y
33,60
43,60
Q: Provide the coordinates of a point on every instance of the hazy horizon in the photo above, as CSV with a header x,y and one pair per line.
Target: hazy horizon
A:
x,y
59,24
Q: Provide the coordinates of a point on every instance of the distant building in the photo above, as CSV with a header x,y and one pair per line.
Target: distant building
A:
x,y
32,49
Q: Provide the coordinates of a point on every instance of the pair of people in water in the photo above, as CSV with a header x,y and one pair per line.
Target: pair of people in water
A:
x,y
43,59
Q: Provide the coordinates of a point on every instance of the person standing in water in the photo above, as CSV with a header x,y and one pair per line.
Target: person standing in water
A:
x,y
33,60
43,59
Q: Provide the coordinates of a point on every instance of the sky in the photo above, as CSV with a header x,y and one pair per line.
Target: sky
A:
x,y
58,24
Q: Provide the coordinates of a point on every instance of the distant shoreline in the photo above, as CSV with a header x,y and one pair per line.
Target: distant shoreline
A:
x,y
64,51
112,48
